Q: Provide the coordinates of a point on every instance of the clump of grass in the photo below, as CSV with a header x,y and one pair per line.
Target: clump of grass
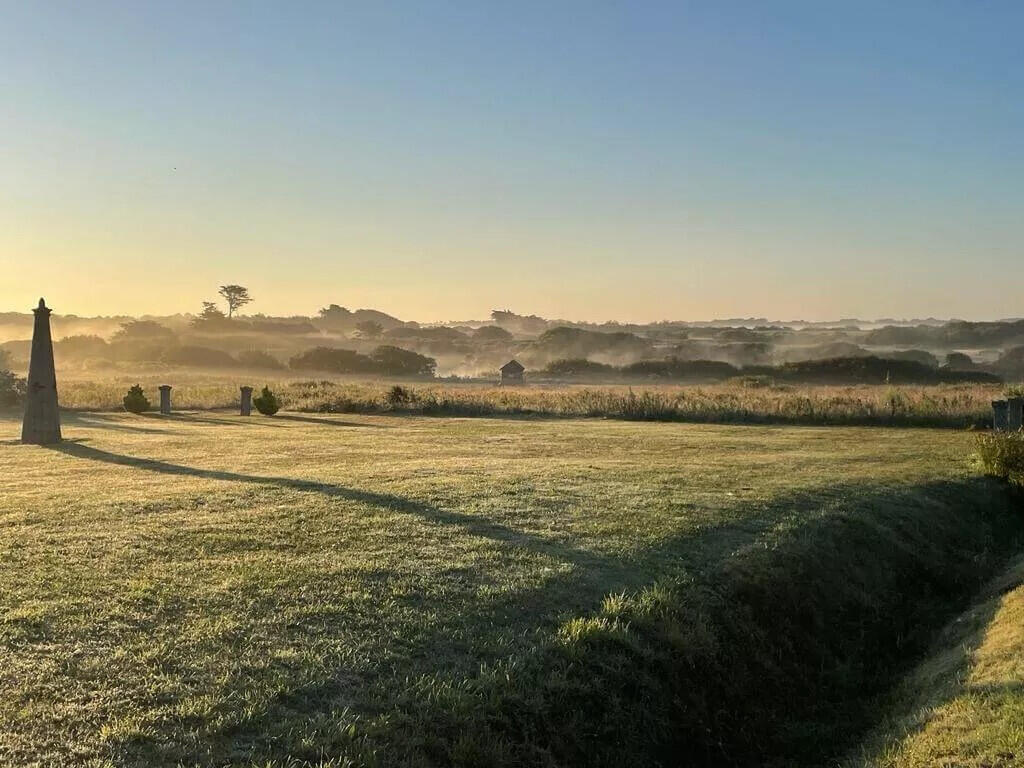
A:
x,y
1002,454
399,395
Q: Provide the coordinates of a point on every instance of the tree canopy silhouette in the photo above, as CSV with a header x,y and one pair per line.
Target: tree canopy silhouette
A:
x,y
236,296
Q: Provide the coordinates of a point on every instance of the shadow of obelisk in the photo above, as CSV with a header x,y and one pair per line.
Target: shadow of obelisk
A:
x,y
42,417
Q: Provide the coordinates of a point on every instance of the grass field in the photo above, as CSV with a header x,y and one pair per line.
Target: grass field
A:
x,y
952,405
205,589
964,705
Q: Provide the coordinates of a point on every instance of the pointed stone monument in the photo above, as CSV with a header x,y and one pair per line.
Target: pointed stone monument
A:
x,y
42,417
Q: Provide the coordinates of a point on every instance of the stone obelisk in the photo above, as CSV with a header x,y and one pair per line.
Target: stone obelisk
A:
x,y
42,417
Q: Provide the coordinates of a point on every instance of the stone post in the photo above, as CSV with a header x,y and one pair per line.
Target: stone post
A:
x,y
165,399
1000,415
246,401
42,415
1015,413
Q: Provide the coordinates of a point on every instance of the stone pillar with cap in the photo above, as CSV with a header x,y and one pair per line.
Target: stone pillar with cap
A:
x,y
41,425
165,399
1000,415
246,401
1015,413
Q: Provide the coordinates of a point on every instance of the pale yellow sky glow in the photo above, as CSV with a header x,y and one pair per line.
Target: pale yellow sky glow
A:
x,y
663,165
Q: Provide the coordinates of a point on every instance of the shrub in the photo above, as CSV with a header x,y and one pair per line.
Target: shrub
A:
x,y
674,368
876,370
267,402
399,395
331,359
491,333
256,358
135,401
1002,454
959,361
143,330
395,361
12,389
564,342
577,367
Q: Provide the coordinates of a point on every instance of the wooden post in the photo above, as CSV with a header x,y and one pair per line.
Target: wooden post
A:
x,y
246,401
165,399
41,425
1000,415
1015,413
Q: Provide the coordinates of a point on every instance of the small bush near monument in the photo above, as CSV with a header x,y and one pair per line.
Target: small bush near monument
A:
x,y
135,401
267,402
12,389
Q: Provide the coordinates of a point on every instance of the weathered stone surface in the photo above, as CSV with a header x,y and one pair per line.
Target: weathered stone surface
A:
x,y
165,399
1015,413
246,401
41,425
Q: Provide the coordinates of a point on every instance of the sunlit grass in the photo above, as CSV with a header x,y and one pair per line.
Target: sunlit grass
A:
x,y
206,589
964,705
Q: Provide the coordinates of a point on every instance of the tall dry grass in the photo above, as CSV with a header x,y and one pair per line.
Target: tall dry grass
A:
x,y
737,402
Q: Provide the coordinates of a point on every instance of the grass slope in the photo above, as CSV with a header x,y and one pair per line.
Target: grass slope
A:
x,y
209,590
964,705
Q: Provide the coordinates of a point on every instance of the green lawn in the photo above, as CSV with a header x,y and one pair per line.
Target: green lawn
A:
x,y
207,589
964,705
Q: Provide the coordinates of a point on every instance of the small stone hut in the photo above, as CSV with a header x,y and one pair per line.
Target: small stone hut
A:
x,y
512,372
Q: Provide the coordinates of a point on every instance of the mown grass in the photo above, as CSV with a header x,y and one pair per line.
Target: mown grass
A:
x,y
933,406
964,705
366,590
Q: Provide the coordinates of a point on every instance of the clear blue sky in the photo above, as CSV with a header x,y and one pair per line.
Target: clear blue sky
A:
x,y
590,160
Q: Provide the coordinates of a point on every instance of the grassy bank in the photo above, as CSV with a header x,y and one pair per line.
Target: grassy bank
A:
x,y
933,406
362,590
964,705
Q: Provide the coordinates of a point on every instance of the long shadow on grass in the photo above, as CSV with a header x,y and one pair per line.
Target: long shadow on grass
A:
x,y
472,524
737,645
328,421
101,421
757,640
189,417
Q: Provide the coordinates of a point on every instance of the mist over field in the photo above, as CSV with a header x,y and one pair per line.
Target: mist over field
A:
x,y
511,385
342,341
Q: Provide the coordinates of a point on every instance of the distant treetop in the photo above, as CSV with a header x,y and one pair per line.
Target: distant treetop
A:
x,y
236,296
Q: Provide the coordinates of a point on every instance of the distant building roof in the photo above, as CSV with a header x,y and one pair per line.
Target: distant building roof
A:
x,y
512,366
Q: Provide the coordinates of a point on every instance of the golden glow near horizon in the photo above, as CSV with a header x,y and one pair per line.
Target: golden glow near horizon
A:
x,y
442,169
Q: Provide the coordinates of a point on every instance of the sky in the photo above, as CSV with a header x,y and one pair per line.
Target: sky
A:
x,y
593,160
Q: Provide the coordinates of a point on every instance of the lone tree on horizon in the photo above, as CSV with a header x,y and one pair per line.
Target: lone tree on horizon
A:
x,y
236,296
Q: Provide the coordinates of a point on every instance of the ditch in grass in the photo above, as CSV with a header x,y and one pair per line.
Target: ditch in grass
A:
x,y
476,593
